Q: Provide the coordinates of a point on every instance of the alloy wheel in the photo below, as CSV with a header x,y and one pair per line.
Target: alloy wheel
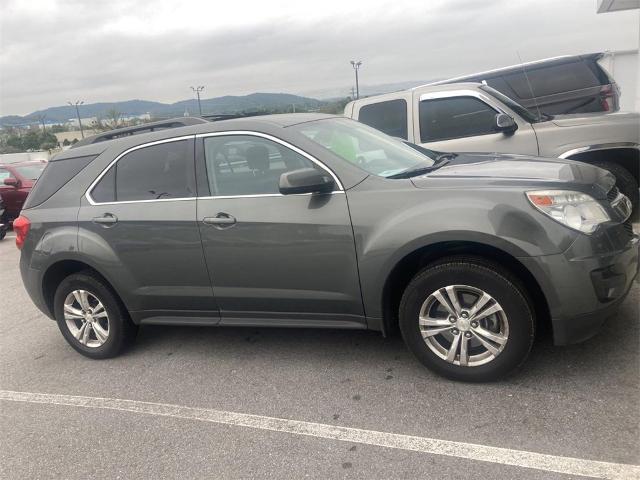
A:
x,y
86,318
463,325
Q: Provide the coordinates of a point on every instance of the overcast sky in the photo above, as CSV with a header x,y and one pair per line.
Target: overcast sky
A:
x,y
52,51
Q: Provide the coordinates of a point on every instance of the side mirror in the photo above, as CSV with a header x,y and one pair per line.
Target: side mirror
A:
x,y
12,182
505,124
305,180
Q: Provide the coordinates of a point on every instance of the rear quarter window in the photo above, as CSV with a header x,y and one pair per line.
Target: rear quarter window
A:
x,y
55,175
552,79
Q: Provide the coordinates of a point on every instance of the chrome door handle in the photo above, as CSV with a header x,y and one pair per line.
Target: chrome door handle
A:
x,y
107,220
221,220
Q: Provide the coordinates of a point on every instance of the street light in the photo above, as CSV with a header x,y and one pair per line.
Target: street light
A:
x,y
78,102
197,91
356,66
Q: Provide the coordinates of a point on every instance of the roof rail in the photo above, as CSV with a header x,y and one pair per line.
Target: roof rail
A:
x,y
138,129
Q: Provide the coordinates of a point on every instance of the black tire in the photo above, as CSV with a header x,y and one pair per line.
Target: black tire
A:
x,y
3,233
488,277
626,183
122,331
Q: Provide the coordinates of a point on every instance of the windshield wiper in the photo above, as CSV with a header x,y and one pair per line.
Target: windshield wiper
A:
x,y
414,172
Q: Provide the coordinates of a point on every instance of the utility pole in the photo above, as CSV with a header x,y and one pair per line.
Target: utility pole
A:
x,y
78,102
197,91
356,66
353,93
41,119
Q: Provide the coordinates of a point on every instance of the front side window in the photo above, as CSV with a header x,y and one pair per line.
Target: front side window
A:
x,y
248,165
389,117
4,173
455,117
363,146
157,172
31,172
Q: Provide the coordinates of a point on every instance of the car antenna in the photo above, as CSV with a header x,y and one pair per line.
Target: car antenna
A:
x,y
533,95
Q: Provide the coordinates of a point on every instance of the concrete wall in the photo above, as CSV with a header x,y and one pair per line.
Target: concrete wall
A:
x,y
625,69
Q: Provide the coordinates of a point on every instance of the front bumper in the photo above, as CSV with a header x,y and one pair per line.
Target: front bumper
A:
x,y
586,284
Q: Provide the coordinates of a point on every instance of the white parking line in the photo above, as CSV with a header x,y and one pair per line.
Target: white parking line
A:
x,y
504,456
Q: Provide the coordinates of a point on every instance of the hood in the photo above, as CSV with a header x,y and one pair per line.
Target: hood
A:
x,y
521,170
595,118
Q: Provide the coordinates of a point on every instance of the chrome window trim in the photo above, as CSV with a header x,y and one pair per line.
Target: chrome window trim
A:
x,y
599,146
210,197
276,140
137,147
462,93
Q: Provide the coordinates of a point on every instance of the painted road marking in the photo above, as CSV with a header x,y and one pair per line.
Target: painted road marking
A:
x,y
504,456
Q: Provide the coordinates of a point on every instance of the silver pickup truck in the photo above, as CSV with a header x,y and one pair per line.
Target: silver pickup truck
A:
x,y
473,117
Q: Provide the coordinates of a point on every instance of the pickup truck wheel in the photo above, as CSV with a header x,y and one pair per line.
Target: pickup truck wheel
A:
x,y
91,317
467,319
626,183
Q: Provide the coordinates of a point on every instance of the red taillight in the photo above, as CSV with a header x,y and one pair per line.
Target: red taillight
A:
x,y
607,98
21,226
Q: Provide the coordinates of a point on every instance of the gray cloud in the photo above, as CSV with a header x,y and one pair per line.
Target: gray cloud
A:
x,y
91,51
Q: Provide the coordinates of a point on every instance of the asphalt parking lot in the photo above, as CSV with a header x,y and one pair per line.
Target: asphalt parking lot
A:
x,y
289,389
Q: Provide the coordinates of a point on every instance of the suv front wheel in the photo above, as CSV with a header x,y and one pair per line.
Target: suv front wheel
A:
x,y
467,319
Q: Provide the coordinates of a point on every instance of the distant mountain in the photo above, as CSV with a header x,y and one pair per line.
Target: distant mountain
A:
x,y
226,104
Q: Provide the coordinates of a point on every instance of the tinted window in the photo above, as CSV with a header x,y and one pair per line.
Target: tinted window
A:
x,y
389,117
455,117
55,175
553,79
151,173
105,189
248,165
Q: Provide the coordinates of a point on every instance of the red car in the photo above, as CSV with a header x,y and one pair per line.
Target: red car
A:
x,y
16,181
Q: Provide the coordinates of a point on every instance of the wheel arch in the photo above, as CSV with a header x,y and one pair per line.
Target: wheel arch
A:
x,y
626,156
409,265
61,269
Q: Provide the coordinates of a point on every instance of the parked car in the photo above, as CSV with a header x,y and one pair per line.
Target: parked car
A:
x,y
16,181
471,117
311,220
560,85
3,226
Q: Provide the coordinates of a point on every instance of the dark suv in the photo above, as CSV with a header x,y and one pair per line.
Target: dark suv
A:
x,y
311,220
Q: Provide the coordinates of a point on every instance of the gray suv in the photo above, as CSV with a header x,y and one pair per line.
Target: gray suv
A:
x,y
312,220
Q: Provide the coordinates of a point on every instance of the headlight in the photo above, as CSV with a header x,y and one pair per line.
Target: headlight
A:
x,y
574,209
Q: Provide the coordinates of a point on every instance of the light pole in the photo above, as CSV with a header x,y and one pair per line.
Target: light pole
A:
x,y
356,66
78,102
197,91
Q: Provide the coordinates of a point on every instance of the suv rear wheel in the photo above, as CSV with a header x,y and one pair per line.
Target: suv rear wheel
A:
x,y
91,317
467,319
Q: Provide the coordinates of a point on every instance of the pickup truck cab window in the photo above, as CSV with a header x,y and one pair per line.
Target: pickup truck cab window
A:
x,y
455,117
389,117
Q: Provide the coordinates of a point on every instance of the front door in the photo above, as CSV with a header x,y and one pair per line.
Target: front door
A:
x,y
275,259
139,223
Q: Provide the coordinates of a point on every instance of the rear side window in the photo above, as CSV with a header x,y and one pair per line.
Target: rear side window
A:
x,y
157,172
389,117
55,175
552,79
455,117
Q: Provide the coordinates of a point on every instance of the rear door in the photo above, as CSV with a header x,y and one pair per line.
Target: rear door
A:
x,y
274,259
465,122
138,221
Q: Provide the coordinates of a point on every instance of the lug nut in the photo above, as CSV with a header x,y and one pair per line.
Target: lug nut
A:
x,y
474,324
468,334
464,314
452,319
455,331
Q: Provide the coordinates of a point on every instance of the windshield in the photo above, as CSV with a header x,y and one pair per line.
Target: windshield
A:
x,y
525,113
31,172
365,147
